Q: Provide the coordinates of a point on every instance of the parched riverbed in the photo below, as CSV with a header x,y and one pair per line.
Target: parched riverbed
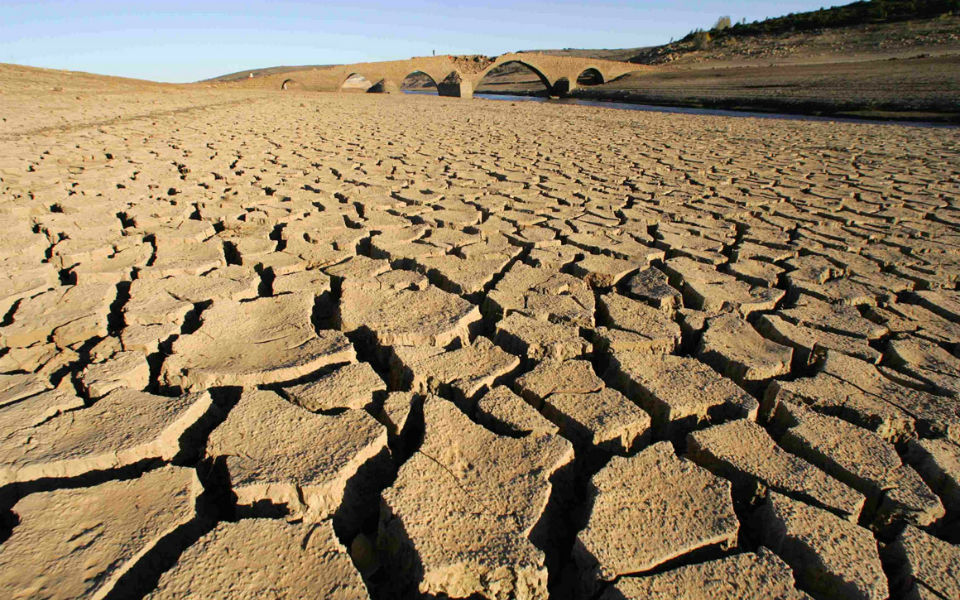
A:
x,y
346,346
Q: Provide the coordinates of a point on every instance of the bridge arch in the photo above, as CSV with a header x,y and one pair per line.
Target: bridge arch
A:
x,y
590,76
547,84
290,84
433,80
355,80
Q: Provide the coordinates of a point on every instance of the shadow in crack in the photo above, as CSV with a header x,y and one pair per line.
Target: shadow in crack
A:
x,y
400,571
144,574
359,511
566,513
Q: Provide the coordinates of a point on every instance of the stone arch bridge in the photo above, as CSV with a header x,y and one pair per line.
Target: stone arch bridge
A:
x,y
454,75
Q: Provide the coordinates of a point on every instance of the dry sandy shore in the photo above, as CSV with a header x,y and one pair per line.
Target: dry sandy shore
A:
x,y
317,346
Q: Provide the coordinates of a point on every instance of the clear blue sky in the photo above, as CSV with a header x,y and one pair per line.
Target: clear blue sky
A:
x,y
181,41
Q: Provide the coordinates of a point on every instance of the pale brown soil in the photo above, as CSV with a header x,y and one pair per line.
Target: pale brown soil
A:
x,y
290,344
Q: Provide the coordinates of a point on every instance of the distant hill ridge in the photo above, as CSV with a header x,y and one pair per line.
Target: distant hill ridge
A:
x,y
239,75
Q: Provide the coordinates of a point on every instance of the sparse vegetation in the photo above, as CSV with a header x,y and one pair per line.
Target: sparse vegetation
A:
x,y
722,23
857,13
701,40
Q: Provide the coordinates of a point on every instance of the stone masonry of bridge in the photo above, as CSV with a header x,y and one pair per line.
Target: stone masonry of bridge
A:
x,y
454,75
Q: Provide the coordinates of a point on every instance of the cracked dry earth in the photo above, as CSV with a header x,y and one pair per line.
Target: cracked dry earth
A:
x,y
336,346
